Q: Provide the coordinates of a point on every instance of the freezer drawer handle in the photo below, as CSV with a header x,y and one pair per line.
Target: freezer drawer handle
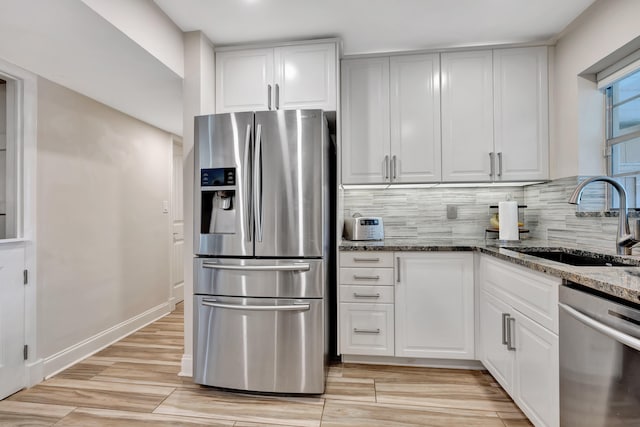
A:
x,y
362,277
291,307
288,267
612,333
366,331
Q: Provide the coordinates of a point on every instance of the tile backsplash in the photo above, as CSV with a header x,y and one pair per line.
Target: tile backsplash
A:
x,y
422,212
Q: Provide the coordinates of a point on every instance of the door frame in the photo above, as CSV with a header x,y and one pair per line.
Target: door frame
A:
x,y
22,103
175,297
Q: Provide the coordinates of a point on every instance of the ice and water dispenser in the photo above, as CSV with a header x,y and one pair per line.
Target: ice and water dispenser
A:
x,y
218,191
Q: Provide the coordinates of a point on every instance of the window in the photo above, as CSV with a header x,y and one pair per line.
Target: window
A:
x,y
623,135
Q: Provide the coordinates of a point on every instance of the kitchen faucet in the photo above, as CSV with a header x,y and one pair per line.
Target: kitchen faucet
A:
x,y
624,240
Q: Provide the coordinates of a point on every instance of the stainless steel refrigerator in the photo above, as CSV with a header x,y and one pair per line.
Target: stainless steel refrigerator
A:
x,y
262,248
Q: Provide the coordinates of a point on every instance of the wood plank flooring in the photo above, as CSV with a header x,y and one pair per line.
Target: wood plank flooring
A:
x,y
134,382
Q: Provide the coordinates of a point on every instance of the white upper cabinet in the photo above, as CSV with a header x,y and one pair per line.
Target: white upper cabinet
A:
x,y
287,77
415,118
521,102
365,121
306,77
244,79
467,116
391,119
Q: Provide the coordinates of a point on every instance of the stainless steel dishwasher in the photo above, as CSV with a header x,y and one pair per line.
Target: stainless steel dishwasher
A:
x,y
599,360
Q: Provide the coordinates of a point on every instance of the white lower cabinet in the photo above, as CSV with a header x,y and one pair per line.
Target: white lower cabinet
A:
x,y
367,329
519,352
429,312
434,300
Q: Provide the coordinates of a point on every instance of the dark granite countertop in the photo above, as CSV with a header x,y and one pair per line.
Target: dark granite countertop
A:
x,y
622,282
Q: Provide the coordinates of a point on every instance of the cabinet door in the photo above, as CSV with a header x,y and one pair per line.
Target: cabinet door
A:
x,y
365,121
243,78
536,383
521,113
415,118
366,329
434,305
306,77
494,354
467,116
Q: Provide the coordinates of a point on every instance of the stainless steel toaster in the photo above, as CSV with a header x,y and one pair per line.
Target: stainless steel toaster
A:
x,y
364,228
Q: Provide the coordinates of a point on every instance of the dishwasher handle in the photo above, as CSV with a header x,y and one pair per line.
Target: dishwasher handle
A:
x,y
610,332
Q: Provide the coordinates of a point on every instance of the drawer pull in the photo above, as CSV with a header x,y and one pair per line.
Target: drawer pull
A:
x,y
357,295
366,259
366,331
361,277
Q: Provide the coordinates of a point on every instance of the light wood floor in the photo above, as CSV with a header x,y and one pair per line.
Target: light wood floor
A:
x,y
134,383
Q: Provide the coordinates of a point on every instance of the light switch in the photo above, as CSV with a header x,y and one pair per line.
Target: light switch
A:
x,y
452,212
165,206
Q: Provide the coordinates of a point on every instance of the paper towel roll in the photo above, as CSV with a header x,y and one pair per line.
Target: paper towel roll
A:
x,y
508,219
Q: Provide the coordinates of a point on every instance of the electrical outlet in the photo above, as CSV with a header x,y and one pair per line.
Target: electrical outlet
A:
x,y
452,212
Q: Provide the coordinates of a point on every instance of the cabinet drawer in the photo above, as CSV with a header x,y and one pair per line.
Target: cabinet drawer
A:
x,y
533,294
366,329
366,294
366,259
366,276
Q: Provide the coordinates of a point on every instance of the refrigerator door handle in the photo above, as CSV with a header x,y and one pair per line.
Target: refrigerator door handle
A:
x,y
257,183
286,267
247,182
288,307
269,97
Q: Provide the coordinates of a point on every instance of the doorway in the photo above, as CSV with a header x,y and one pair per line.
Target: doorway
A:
x,y
177,224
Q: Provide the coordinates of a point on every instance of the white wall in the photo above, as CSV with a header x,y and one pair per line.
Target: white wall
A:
x,y
199,98
103,241
159,35
576,127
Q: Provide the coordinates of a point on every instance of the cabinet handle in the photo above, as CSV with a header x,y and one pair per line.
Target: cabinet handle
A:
x,y
366,331
366,259
499,164
386,167
395,168
357,295
398,268
277,96
511,332
269,97
505,318
492,165
361,277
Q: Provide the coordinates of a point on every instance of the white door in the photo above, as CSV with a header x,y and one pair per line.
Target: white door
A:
x,y
434,296
12,370
365,121
467,116
495,355
306,77
537,379
244,80
415,118
521,113
177,247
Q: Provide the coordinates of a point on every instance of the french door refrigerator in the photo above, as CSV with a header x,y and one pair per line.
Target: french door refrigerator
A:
x,y
261,250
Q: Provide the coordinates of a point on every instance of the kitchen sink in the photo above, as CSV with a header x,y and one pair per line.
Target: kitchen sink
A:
x,y
577,258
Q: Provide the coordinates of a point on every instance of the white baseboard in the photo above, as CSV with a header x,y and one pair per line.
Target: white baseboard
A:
x,y
413,361
34,372
186,366
67,357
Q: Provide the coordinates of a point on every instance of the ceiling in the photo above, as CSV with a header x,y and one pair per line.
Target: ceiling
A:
x,y
368,26
70,43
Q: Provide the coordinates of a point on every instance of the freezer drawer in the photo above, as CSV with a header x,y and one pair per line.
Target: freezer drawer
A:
x,y
260,344
274,278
